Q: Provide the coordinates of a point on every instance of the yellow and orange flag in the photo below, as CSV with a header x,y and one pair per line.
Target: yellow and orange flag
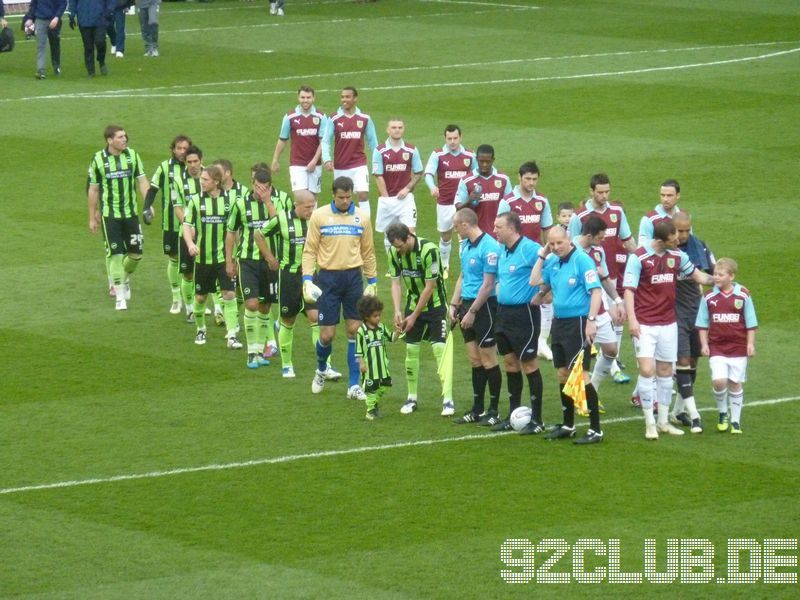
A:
x,y
575,387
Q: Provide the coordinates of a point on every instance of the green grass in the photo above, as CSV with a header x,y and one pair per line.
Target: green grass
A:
x,y
620,86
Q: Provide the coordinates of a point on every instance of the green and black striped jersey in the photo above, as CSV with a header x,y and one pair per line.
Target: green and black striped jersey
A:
x,y
247,215
168,178
237,192
286,234
116,177
281,200
422,264
371,346
208,216
190,187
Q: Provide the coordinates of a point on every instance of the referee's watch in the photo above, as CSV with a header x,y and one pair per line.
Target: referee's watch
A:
x,y
591,318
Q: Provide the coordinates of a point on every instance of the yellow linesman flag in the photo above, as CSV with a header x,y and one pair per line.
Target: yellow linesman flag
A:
x,y
575,387
445,367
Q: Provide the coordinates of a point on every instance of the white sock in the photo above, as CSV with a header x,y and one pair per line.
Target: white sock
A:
x,y
646,389
602,369
679,405
444,250
364,206
690,406
119,291
722,400
664,394
737,399
663,414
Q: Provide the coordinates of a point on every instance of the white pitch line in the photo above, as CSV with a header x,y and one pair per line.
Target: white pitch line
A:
x,y
481,4
122,92
490,63
417,86
327,22
322,454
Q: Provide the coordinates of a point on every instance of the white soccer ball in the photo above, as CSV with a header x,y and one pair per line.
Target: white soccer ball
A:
x,y
520,417
30,29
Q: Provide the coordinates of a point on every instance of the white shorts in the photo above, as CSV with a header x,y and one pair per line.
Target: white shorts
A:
x,y
390,209
444,217
359,175
605,330
303,180
723,367
657,341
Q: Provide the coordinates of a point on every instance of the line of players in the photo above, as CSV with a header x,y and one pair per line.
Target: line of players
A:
x,y
456,177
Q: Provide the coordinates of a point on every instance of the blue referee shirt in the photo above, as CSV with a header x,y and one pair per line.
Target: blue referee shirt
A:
x,y
572,280
477,259
514,272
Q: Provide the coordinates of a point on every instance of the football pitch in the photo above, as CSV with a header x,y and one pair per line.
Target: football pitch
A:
x,y
134,464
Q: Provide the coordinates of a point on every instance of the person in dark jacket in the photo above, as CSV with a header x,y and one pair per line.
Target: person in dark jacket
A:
x,y
45,16
116,28
6,35
92,17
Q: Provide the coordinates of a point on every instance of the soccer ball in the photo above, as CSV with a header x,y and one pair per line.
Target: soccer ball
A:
x,y
29,30
520,417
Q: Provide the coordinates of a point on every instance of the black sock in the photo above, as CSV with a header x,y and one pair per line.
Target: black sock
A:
x,y
685,379
537,388
514,384
495,386
594,409
567,408
478,389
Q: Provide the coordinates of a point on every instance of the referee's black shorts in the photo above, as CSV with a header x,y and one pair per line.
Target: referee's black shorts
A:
x,y
517,330
567,340
482,330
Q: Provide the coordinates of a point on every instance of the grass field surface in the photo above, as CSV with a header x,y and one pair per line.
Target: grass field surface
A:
x,y
134,464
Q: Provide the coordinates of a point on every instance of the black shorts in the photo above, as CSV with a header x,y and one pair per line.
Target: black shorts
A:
x,y
257,281
206,278
431,325
170,242
373,385
340,292
185,260
482,330
517,330
123,236
568,338
291,294
688,339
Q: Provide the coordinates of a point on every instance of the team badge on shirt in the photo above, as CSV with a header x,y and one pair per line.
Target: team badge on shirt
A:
x,y
538,206
613,217
738,304
406,156
466,162
498,183
360,124
671,263
357,220
315,120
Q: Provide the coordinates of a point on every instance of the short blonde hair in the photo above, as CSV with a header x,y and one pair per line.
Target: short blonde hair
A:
x,y
728,265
